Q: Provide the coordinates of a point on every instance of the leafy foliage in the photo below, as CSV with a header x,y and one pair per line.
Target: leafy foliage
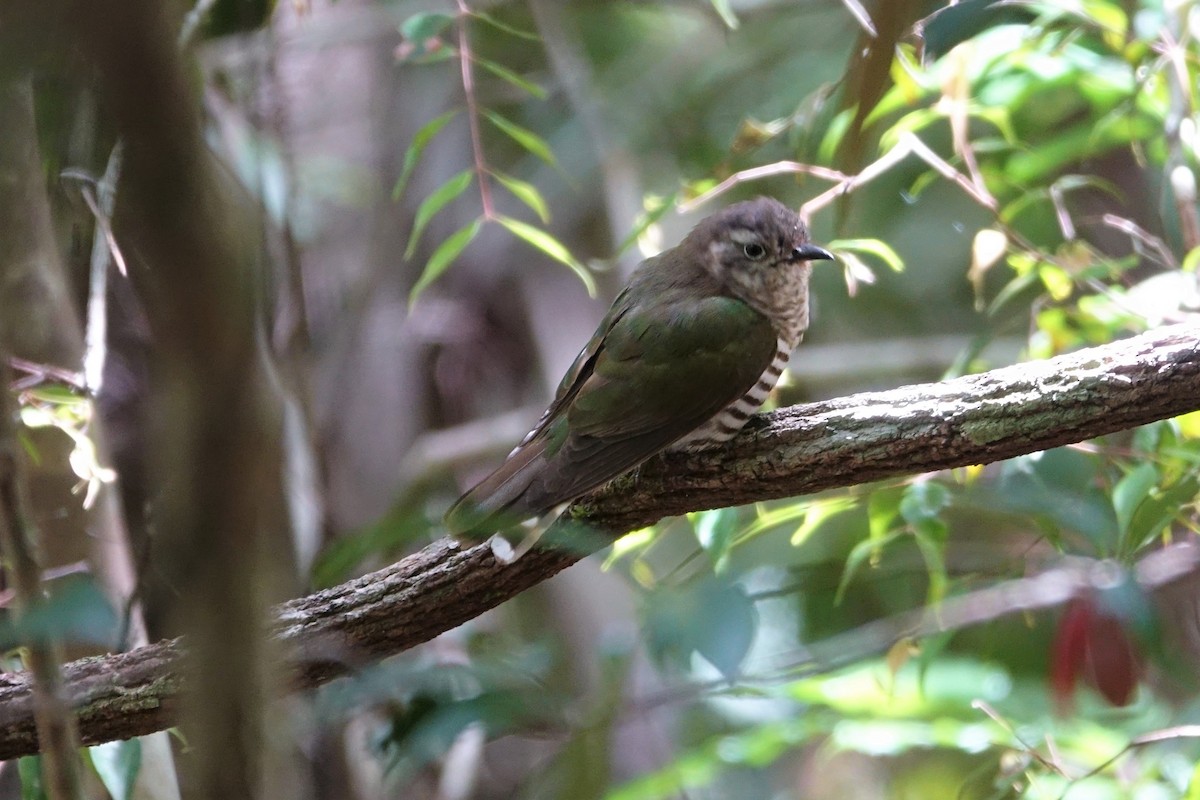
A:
x,y
1048,149
1023,109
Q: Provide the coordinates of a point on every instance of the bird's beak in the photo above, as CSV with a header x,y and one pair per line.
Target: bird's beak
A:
x,y
810,252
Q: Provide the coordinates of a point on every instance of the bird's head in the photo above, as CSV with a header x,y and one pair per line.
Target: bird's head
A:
x,y
754,244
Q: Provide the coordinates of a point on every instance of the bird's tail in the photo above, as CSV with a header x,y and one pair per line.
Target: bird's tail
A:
x,y
499,500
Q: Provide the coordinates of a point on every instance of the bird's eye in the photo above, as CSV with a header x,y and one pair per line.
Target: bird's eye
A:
x,y
754,250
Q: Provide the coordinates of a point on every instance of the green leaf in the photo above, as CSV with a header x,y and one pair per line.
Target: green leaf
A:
x,y
930,538
523,136
712,617
725,12
29,769
436,201
527,193
75,610
420,27
924,501
883,506
442,257
1191,260
656,207
875,247
504,26
117,764
507,75
550,246
1158,511
1131,491
867,548
419,142
716,530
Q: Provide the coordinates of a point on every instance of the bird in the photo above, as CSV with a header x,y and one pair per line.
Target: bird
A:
x,y
687,352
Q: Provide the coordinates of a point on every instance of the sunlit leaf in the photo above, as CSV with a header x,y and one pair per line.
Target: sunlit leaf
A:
x,y
434,203
1056,280
631,543
527,193
876,247
550,246
1159,510
854,271
725,12
883,506
817,513
419,143
1191,260
522,136
507,75
445,254
655,207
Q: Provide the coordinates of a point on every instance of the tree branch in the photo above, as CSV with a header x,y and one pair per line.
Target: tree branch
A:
x,y
796,450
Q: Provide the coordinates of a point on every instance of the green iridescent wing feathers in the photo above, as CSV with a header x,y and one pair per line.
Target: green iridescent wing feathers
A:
x,y
649,376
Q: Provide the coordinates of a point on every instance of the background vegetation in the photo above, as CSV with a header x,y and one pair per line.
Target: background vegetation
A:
x,y
279,281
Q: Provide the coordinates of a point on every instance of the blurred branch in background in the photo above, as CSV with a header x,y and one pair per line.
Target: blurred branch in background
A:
x,y
216,437
25,279
799,450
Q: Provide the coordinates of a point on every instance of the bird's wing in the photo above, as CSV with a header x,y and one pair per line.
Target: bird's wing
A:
x,y
649,377
659,375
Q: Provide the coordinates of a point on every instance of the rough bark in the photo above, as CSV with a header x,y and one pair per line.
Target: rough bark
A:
x,y
797,450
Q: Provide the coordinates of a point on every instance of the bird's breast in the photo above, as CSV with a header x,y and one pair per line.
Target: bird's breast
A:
x,y
726,424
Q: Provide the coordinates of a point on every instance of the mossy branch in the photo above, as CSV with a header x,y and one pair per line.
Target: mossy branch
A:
x,y
793,451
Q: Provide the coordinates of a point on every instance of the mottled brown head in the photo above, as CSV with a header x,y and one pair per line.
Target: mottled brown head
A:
x,y
759,251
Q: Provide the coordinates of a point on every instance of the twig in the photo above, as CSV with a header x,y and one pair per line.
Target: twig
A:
x,y
468,81
908,144
104,248
758,173
1141,236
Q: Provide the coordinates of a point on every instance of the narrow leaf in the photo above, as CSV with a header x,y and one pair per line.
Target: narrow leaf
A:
x,y
931,544
434,203
1131,491
419,142
550,246
118,764
504,26
420,27
716,530
523,136
527,193
507,75
725,12
923,501
444,256
656,207
875,247
859,555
